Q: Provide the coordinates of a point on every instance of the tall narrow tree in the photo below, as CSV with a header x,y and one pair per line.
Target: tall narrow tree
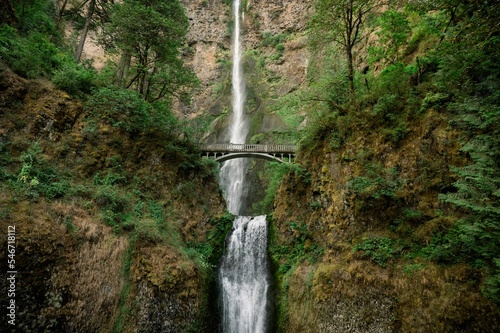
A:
x,y
83,37
342,22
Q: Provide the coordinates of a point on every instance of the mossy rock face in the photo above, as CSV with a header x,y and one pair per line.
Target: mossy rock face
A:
x,y
272,123
368,186
70,272
168,290
73,252
163,312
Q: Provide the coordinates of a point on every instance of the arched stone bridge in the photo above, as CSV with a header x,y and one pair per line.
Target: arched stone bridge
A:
x,y
272,152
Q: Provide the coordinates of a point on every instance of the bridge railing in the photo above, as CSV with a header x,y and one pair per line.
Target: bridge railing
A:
x,y
267,148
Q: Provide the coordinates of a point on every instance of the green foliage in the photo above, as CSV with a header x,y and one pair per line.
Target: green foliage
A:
x,y
469,76
323,126
492,284
379,183
270,40
379,249
391,109
152,33
75,79
126,109
412,268
343,23
299,246
109,198
208,253
393,80
329,85
394,29
37,177
32,56
110,178
36,16
275,172
289,108
276,41
127,260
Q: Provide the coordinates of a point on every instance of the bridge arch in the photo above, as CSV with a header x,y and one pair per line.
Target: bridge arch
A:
x,y
264,156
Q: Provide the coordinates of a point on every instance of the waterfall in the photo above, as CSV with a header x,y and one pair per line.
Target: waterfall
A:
x,y
244,273
244,277
233,171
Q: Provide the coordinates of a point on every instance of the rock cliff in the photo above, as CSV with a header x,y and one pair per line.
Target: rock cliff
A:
x,y
275,54
337,289
102,220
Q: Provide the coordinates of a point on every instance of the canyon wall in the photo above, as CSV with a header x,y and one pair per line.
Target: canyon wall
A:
x,y
94,253
275,59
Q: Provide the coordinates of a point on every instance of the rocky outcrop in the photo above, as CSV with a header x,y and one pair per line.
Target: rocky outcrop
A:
x,y
80,270
356,291
69,268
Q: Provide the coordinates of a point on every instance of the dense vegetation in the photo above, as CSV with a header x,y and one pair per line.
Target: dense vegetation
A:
x,y
423,57
116,149
136,105
382,68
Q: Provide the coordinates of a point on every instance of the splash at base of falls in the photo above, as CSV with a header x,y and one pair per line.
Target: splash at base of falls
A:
x,y
244,277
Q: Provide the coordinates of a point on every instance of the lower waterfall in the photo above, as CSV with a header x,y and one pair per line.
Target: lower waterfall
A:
x,y
244,277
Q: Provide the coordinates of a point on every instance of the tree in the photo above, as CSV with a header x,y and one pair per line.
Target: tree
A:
x,y
7,14
83,37
342,22
470,73
149,35
87,15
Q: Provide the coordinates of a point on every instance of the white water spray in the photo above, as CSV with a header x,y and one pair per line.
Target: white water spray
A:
x,y
233,171
244,273
244,277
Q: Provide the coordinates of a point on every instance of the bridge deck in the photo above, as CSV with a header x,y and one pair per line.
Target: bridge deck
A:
x,y
272,152
253,148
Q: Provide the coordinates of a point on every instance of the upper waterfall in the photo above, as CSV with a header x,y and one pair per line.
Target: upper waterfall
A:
x,y
233,172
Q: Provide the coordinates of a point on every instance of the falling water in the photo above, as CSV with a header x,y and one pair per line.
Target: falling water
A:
x,y
244,278
233,171
243,275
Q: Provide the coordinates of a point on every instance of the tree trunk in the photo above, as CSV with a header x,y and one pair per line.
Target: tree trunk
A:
x,y
350,74
123,67
61,10
7,15
90,13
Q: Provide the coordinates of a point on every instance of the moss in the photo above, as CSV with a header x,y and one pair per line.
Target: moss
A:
x,y
88,174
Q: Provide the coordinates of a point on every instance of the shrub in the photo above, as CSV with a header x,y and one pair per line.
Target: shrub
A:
x,y
127,110
74,79
37,177
36,15
376,186
110,178
33,57
120,108
378,249
109,198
